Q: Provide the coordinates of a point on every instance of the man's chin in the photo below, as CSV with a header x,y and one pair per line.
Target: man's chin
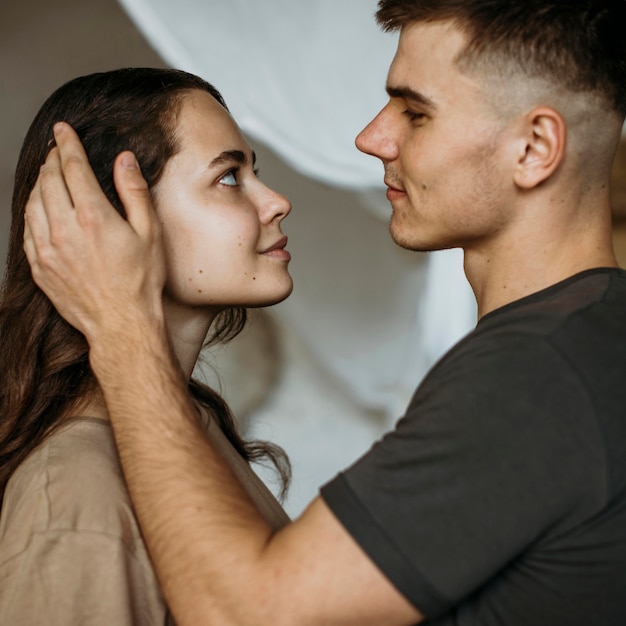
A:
x,y
401,239
411,235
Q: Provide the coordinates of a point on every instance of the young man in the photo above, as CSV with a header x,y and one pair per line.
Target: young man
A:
x,y
500,497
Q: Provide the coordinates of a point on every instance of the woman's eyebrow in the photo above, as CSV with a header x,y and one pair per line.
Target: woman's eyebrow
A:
x,y
232,156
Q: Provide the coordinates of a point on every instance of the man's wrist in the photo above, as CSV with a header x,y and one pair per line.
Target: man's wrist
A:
x,y
120,342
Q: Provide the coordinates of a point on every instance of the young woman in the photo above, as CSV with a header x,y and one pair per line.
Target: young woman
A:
x,y
70,548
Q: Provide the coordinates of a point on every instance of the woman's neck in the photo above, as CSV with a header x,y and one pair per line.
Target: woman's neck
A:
x,y
187,329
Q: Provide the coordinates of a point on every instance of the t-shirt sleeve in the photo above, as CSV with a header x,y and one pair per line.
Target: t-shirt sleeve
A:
x,y
67,578
484,461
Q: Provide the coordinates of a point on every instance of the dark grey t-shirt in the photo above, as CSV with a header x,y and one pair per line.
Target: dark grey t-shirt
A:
x,y
500,497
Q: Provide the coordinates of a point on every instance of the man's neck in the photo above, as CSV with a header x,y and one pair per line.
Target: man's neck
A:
x,y
517,267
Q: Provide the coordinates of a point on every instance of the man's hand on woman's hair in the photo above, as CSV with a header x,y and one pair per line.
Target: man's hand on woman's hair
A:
x,y
99,270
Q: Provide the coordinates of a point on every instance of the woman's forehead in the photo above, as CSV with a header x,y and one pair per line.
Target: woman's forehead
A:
x,y
202,119
208,139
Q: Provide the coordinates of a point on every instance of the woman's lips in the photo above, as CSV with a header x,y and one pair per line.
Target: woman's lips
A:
x,y
277,250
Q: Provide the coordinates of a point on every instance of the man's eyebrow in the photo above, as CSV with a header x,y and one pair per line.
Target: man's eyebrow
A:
x,y
410,95
232,156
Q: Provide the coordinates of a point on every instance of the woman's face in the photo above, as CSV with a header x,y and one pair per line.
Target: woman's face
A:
x,y
221,224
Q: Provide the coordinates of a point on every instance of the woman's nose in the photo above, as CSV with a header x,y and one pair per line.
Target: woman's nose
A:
x,y
275,206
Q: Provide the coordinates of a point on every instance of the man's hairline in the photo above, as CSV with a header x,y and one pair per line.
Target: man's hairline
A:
x,y
487,68
477,67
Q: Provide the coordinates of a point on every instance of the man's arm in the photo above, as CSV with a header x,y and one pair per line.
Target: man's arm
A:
x,y
216,558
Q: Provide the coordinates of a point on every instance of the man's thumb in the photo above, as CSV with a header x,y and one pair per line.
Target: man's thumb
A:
x,y
133,191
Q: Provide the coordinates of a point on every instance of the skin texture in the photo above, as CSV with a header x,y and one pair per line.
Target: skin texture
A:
x,y
506,190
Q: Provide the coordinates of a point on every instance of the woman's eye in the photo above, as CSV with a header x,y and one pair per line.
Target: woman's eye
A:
x,y
230,178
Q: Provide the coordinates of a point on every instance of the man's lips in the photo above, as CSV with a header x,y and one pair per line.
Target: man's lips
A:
x,y
393,193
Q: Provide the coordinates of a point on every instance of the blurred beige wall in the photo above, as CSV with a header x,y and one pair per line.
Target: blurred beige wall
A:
x,y
44,44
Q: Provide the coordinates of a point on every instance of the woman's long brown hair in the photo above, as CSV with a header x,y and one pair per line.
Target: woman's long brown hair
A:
x,y
44,365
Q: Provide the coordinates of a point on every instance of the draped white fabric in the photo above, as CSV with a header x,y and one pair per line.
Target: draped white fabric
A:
x,y
302,78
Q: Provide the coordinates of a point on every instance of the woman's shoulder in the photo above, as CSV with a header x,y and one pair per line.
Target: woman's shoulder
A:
x,y
69,542
72,482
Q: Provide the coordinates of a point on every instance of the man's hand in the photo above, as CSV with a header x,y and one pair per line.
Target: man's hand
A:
x,y
100,271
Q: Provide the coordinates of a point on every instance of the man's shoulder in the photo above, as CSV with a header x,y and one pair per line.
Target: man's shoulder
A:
x,y
536,360
590,306
587,295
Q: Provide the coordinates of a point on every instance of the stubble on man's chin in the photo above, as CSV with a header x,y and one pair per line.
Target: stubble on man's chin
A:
x,y
414,244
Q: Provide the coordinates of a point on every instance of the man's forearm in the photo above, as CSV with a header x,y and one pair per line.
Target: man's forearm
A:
x,y
197,519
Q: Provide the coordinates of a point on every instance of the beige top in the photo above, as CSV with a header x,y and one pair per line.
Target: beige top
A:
x,y
70,548
71,552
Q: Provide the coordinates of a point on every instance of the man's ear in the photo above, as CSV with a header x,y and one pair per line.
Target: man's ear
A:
x,y
542,147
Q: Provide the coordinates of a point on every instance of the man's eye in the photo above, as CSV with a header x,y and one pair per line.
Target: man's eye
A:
x,y
413,117
230,178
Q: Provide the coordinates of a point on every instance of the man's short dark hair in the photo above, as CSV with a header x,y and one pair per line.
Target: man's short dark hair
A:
x,y
578,44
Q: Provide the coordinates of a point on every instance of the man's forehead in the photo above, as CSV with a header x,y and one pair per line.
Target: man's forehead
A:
x,y
421,41
425,61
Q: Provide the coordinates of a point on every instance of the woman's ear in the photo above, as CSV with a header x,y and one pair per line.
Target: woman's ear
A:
x,y
543,147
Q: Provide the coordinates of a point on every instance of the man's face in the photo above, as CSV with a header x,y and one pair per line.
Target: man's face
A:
x,y
442,145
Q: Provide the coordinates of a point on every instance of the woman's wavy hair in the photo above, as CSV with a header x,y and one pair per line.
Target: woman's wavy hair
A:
x,y
44,366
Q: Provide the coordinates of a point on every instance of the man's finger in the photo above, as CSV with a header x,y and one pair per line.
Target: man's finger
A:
x,y
58,209
29,246
134,193
53,190
36,226
83,187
